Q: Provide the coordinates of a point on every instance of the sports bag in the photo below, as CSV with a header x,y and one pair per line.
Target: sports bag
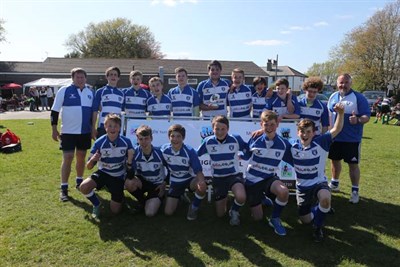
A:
x,y
10,142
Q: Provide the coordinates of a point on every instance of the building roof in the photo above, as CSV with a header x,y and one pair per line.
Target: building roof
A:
x,y
284,71
148,66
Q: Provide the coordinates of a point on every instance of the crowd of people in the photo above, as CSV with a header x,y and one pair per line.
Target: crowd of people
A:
x,y
152,174
387,109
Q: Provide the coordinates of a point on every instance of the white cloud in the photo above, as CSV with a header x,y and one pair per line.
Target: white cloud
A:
x,y
298,28
321,24
172,3
266,42
286,32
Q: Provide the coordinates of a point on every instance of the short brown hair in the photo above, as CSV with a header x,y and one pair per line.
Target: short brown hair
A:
x,y
113,117
155,79
305,123
313,82
269,115
177,128
144,130
78,70
282,81
221,119
215,63
113,68
257,80
135,73
238,70
180,69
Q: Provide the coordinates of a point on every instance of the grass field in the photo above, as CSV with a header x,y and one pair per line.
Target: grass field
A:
x,y
38,230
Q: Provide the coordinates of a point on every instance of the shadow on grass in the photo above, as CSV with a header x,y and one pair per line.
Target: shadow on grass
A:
x,y
350,236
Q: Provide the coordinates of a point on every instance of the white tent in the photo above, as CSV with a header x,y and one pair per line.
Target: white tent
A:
x,y
55,83
52,82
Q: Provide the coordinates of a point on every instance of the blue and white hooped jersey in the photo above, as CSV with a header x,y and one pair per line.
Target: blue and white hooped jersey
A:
x,y
309,162
265,156
207,91
150,168
161,107
109,100
353,101
278,105
259,103
76,106
183,164
239,102
113,155
183,101
135,102
317,112
224,156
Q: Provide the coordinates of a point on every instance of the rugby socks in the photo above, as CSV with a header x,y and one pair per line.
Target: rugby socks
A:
x,y
335,182
320,214
196,201
354,188
278,207
64,186
78,180
93,198
236,206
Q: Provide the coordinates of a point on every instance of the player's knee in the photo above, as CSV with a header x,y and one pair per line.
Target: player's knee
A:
x,y
325,202
283,193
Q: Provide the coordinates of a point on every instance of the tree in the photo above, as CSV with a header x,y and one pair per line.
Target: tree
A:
x,y
117,38
2,31
328,71
371,52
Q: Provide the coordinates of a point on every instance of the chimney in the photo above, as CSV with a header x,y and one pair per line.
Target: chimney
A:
x,y
269,65
161,72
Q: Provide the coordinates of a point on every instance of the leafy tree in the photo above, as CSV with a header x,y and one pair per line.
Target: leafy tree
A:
x,y
328,71
371,52
117,38
2,31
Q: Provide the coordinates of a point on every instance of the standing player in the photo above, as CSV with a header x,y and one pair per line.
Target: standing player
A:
x,y
111,152
148,185
185,172
312,108
348,143
239,96
213,91
283,103
185,100
260,96
75,101
159,104
309,159
265,152
223,149
108,99
135,97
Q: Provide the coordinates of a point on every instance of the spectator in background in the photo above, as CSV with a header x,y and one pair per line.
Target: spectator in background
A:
x,y
43,98
50,96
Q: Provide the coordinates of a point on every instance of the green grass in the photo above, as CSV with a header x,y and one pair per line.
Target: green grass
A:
x,y
36,229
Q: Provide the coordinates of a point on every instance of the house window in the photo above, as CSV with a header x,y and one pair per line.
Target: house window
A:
x,y
190,81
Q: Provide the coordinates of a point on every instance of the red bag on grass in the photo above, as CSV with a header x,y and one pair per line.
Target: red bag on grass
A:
x,y
10,142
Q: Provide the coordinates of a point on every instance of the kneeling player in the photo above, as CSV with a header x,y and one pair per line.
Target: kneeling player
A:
x,y
111,152
185,172
309,158
148,185
223,149
266,150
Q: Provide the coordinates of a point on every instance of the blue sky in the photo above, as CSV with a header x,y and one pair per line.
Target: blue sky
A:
x,y
301,32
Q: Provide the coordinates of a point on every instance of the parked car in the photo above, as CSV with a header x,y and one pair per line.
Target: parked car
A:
x,y
372,97
323,98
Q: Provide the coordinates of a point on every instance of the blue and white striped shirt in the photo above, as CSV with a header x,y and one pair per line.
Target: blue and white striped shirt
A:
x,y
150,168
207,89
135,102
113,155
224,156
108,99
183,102
317,112
183,164
239,102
